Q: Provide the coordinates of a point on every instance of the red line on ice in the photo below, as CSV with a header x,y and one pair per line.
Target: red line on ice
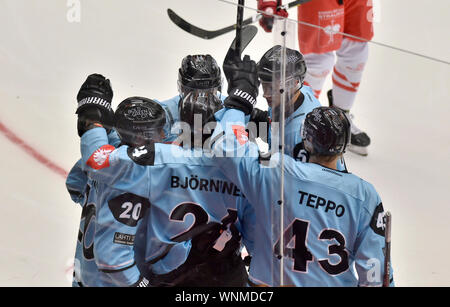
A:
x,y
31,151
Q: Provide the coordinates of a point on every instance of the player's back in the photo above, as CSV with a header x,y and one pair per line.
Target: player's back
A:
x,y
187,198
326,216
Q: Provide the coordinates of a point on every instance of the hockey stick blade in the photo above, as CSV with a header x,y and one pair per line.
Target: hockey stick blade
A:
x,y
247,35
205,34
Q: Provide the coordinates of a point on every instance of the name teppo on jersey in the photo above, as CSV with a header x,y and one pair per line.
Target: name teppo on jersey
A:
x,y
321,203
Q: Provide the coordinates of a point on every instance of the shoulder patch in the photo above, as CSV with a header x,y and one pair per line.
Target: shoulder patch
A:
x,y
143,155
378,222
100,158
240,133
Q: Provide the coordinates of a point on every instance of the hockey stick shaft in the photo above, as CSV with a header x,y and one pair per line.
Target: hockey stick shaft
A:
x,y
240,17
387,256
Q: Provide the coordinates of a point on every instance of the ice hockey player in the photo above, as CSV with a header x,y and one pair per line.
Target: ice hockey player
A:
x,y
199,82
200,77
335,218
299,98
198,74
112,220
192,205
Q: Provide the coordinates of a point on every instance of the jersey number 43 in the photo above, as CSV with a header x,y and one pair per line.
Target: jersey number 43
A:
x,y
298,232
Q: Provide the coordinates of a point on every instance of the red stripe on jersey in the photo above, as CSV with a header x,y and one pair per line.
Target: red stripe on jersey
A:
x,y
240,133
100,158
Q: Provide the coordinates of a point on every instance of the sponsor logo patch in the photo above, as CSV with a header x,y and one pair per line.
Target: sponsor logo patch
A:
x,y
123,238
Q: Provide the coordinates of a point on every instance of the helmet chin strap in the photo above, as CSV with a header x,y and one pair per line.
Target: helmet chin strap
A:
x,y
299,86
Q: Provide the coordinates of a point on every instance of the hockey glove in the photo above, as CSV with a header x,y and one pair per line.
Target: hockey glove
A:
x,y
270,8
243,83
94,103
259,116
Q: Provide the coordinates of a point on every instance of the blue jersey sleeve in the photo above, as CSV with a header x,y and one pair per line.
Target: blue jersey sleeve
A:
x,y
76,183
77,179
370,243
237,158
113,138
246,223
107,164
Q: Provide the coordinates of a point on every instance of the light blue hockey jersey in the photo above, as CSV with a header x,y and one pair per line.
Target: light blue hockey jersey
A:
x,y
76,183
110,224
333,221
184,197
110,233
294,122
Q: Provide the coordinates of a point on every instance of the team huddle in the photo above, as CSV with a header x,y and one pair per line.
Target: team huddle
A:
x,y
173,191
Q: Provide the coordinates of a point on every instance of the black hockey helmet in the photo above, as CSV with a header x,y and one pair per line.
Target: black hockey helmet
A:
x,y
199,72
269,66
139,120
199,84
198,103
326,131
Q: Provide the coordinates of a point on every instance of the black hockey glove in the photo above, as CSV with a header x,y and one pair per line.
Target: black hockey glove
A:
x,y
243,83
94,103
262,131
259,116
